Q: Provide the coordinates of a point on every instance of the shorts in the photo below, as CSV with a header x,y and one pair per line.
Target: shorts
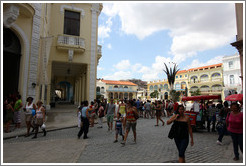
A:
x,y
118,131
181,145
28,117
158,113
131,125
110,118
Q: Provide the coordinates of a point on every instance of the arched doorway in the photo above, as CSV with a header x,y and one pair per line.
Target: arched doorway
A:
x,y
166,95
66,91
11,59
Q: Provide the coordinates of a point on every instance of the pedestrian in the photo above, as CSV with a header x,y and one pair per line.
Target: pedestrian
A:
x,y
138,108
92,114
118,127
122,111
29,107
158,113
17,111
110,110
100,115
169,108
79,113
85,121
147,108
182,131
9,114
39,119
152,107
211,116
234,122
131,121
221,125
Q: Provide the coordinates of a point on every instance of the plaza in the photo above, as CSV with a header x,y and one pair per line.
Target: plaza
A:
x,y
153,145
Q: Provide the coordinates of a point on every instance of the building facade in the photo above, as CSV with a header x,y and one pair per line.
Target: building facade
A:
x,y
240,35
208,79
108,89
231,74
53,48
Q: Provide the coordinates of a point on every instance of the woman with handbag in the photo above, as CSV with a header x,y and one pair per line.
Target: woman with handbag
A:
x,y
182,129
39,118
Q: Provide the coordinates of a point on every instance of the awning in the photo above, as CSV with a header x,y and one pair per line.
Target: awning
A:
x,y
201,97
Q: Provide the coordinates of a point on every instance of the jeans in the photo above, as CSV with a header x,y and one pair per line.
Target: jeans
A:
x,y
181,145
211,119
84,128
237,140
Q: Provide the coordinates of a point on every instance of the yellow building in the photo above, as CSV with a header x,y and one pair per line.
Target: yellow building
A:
x,y
51,50
117,89
208,79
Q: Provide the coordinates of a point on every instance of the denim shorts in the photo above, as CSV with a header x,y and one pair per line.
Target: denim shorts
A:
x,y
181,145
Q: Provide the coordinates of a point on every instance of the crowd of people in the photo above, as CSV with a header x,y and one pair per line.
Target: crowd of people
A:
x,y
34,114
220,117
122,115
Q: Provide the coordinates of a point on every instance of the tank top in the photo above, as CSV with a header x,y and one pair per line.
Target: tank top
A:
x,y
29,108
130,116
39,113
181,130
122,109
118,123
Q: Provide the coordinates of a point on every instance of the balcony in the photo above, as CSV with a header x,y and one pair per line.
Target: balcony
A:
x,y
210,81
121,90
70,42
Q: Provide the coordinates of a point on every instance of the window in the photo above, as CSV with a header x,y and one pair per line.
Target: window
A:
x,y
71,23
230,64
180,76
185,75
231,79
176,76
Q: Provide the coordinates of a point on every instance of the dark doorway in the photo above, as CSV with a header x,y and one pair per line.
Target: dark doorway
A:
x,y
11,61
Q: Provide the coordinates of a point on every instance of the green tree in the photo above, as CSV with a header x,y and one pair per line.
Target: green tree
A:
x,y
196,92
154,94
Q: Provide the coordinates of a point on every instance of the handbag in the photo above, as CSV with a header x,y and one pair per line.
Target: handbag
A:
x,y
172,131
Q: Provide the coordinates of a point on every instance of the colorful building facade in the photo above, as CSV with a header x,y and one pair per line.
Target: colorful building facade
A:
x,y
208,79
116,89
51,49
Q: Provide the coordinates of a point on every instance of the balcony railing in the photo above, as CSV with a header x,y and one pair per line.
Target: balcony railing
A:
x,y
121,90
65,41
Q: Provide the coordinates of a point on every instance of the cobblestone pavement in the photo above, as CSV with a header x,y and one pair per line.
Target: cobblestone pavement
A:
x,y
153,146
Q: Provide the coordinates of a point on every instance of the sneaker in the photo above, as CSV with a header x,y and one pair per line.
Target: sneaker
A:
x,y
219,143
115,141
123,143
236,158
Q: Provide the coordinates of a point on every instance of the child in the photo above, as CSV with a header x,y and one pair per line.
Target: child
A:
x,y
118,127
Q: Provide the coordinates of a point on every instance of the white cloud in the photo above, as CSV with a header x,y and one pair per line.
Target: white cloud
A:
x,y
109,46
193,27
119,75
123,65
100,68
197,63
104,30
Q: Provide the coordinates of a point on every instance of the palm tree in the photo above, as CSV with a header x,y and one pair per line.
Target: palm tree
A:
x,y
171,74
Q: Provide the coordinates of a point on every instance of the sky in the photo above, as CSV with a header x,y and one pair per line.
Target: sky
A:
x,y
138,38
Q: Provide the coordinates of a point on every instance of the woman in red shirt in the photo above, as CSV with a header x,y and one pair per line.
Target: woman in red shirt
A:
x,y
234,122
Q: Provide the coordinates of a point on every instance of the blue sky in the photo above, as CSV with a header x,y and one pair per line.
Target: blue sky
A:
x,y
137,38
